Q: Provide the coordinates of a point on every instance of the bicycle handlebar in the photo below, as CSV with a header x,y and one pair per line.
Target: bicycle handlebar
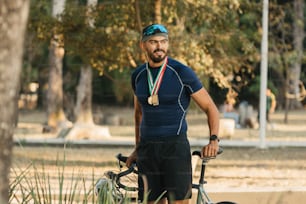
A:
x,y
122,158
117,176
132,169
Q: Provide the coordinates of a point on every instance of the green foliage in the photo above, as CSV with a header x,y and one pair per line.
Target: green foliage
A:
x,y
106,44
207,35
33,185
38,34
40,20
202,32
122,86
255,87
37,184
218,39
281,36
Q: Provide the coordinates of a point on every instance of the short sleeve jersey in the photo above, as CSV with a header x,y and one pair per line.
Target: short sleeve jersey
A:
x,y
169,117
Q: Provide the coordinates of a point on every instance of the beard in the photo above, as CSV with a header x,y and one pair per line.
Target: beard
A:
x,y
157,58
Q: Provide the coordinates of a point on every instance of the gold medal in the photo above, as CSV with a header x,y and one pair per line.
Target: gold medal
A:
x,y
150,101
155,101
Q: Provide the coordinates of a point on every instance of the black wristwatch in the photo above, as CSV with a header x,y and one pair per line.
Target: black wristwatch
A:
x,y
213,138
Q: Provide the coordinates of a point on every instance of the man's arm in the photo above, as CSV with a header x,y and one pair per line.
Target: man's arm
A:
x,y
205,102
137,120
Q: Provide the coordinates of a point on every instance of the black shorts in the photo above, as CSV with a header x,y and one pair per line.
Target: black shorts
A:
x,y
166,165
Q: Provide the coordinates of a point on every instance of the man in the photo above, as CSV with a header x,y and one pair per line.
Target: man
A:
x,y
163,88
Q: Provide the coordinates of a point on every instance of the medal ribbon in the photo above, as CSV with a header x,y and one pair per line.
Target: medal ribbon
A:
x,y
154,86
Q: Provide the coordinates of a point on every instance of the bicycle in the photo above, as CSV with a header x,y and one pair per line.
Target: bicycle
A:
x,y
119,191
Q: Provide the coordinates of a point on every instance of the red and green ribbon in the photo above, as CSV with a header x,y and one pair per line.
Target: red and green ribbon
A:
x,y
155,85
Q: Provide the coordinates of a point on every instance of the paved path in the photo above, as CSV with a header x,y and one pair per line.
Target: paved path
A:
x,y
128,142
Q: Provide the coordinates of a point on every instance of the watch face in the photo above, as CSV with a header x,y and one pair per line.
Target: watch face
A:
x,y
213,137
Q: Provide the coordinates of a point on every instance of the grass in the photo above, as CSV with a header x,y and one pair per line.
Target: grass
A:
x,y
37,183
34,184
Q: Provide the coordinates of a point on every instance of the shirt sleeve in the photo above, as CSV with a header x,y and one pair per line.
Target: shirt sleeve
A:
x,y
190,80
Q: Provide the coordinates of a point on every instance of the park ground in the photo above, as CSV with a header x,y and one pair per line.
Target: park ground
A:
x,y
245,174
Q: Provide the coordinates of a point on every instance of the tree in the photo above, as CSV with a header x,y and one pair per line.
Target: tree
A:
x,y
55,113
13,21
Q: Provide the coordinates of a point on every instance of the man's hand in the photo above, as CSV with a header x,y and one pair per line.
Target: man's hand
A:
x,y
211,149
131,159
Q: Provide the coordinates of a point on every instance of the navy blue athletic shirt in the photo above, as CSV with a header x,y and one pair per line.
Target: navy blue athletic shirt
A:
x,y
168,118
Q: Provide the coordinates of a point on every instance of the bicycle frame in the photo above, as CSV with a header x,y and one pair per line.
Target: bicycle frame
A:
x,y
202,196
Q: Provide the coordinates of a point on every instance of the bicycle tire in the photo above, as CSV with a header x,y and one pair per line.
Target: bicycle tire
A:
x,y
107,191
225,202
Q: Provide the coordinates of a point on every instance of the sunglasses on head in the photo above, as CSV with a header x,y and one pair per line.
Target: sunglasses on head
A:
x,y
153,29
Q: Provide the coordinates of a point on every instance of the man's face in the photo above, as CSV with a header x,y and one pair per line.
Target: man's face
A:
x,y
156,48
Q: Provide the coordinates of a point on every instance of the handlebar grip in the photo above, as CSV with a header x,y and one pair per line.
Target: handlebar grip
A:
x,y
198,153
122,158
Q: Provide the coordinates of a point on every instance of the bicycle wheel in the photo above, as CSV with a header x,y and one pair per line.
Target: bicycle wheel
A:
x,y
107,192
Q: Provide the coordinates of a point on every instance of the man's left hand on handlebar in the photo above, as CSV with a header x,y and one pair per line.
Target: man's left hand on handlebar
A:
x,y
211,149
131,159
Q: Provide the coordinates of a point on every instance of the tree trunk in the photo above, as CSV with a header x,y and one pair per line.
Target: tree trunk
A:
x,y
138,18
158,16
56,115
55,112
13,21
142,55
83,110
